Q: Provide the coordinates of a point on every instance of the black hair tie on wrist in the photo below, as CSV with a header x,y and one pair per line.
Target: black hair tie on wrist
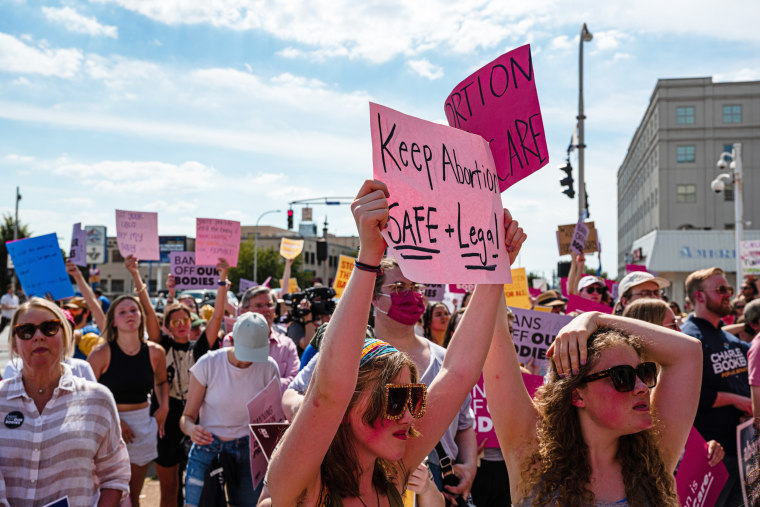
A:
x,y
366,267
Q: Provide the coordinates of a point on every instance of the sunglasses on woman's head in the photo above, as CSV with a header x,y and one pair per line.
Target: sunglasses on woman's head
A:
x,y
400,396
26,331
624,376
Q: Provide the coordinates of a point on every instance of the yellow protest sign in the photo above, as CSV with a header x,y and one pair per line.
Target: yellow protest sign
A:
x,y
345,267
290,248
292,286
517,292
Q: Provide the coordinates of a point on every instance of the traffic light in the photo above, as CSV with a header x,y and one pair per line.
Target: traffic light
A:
x,y
290,219
585,204
567,181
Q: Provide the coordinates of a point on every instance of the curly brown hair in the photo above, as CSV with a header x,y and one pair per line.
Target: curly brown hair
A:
x,y
340,470
559,471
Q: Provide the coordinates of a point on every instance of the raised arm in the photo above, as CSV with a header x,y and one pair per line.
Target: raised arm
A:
x,y
92,302
676,396
286,277
295,465
151,322
577,264
215,322
464,358
512,412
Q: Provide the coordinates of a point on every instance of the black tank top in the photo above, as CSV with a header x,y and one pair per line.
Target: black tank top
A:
x,y
130,378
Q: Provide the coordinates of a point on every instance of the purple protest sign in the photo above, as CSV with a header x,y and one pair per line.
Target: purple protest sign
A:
x,y
187,275
500,103
534,332
698,483
265,407
137,234
215,239
577,303
246,284
483,422
578,243
435,292
78,251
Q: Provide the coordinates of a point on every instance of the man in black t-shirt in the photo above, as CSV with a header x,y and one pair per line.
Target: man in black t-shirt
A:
x,y
724,399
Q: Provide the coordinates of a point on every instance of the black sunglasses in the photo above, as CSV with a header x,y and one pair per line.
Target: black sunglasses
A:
x,y
624,376
598,290
26,331
400,396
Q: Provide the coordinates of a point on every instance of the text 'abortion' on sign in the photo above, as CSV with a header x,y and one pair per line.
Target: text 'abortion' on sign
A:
x,y
446,221
500,103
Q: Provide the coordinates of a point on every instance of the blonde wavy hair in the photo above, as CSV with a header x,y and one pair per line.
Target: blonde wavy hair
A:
x,y
559,471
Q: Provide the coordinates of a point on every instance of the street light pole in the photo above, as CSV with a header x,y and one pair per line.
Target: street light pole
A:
x,y
719,184
256,244
585,36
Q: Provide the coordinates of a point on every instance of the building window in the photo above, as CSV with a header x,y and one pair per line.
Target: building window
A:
x,y
732,114
685,153
116,256
686,193
685,115
117,286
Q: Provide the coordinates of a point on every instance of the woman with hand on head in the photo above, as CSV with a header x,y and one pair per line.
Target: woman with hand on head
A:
x,y
61,434
611,422
353,441
131,367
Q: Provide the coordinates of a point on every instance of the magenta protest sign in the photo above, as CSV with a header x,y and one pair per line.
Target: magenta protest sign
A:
x,y
446,220
500,103
187,275
215,239
137,234
579,304
698,483
483,422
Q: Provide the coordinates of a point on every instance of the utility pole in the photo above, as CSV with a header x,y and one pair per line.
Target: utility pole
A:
x,y
585,36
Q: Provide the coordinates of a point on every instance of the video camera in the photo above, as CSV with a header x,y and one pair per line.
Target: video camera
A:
x,y
320,300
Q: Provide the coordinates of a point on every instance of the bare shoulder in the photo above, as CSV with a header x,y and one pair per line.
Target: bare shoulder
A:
x,y
101,352
155,349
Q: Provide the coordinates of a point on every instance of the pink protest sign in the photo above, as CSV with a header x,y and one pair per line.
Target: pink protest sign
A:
x,y
630,268
500,103
461,288
483,422
265,407
137,234
78,251
577,303
215,239
698,483
446,220
534,292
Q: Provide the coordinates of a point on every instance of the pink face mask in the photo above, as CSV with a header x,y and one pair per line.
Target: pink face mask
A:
x,y
406,308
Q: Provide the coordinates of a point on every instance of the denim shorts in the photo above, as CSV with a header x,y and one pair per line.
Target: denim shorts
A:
x,y
199,460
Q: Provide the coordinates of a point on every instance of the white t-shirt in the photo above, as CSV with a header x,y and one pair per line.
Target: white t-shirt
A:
x,y
9,300
224,411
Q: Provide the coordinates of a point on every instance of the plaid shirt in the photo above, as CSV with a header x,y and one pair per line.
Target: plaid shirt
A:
x,y
74,448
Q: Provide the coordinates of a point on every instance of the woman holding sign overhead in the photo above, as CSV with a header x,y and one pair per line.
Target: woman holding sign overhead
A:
x,y
131,367
611,422
362,428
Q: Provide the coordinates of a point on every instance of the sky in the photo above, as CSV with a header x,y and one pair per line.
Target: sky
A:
x,y
231,108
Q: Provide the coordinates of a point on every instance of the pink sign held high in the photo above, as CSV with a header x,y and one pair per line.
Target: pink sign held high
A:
x,y
215,239
137,234
446,220
500,103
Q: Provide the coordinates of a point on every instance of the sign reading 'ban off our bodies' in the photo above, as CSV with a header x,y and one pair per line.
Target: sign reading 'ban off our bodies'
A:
x,y
500,103
446,221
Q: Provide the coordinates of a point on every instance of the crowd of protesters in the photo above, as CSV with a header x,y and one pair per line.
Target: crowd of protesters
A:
x,y
378,395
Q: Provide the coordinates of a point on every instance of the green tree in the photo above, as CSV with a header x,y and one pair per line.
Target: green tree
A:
x,y
270,263
6,234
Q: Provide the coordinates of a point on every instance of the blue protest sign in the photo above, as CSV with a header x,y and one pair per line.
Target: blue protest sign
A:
x,y
39,266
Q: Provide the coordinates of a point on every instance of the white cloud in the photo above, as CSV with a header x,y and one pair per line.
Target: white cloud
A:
x,y
15,56
15,158
562,42
745,74
75,22
608,40
424,68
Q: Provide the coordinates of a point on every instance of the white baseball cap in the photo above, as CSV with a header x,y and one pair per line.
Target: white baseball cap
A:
x,y
635,278
250,338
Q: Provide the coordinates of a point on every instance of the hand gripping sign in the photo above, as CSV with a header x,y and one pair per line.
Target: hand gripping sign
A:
x,y
446,220
500,103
